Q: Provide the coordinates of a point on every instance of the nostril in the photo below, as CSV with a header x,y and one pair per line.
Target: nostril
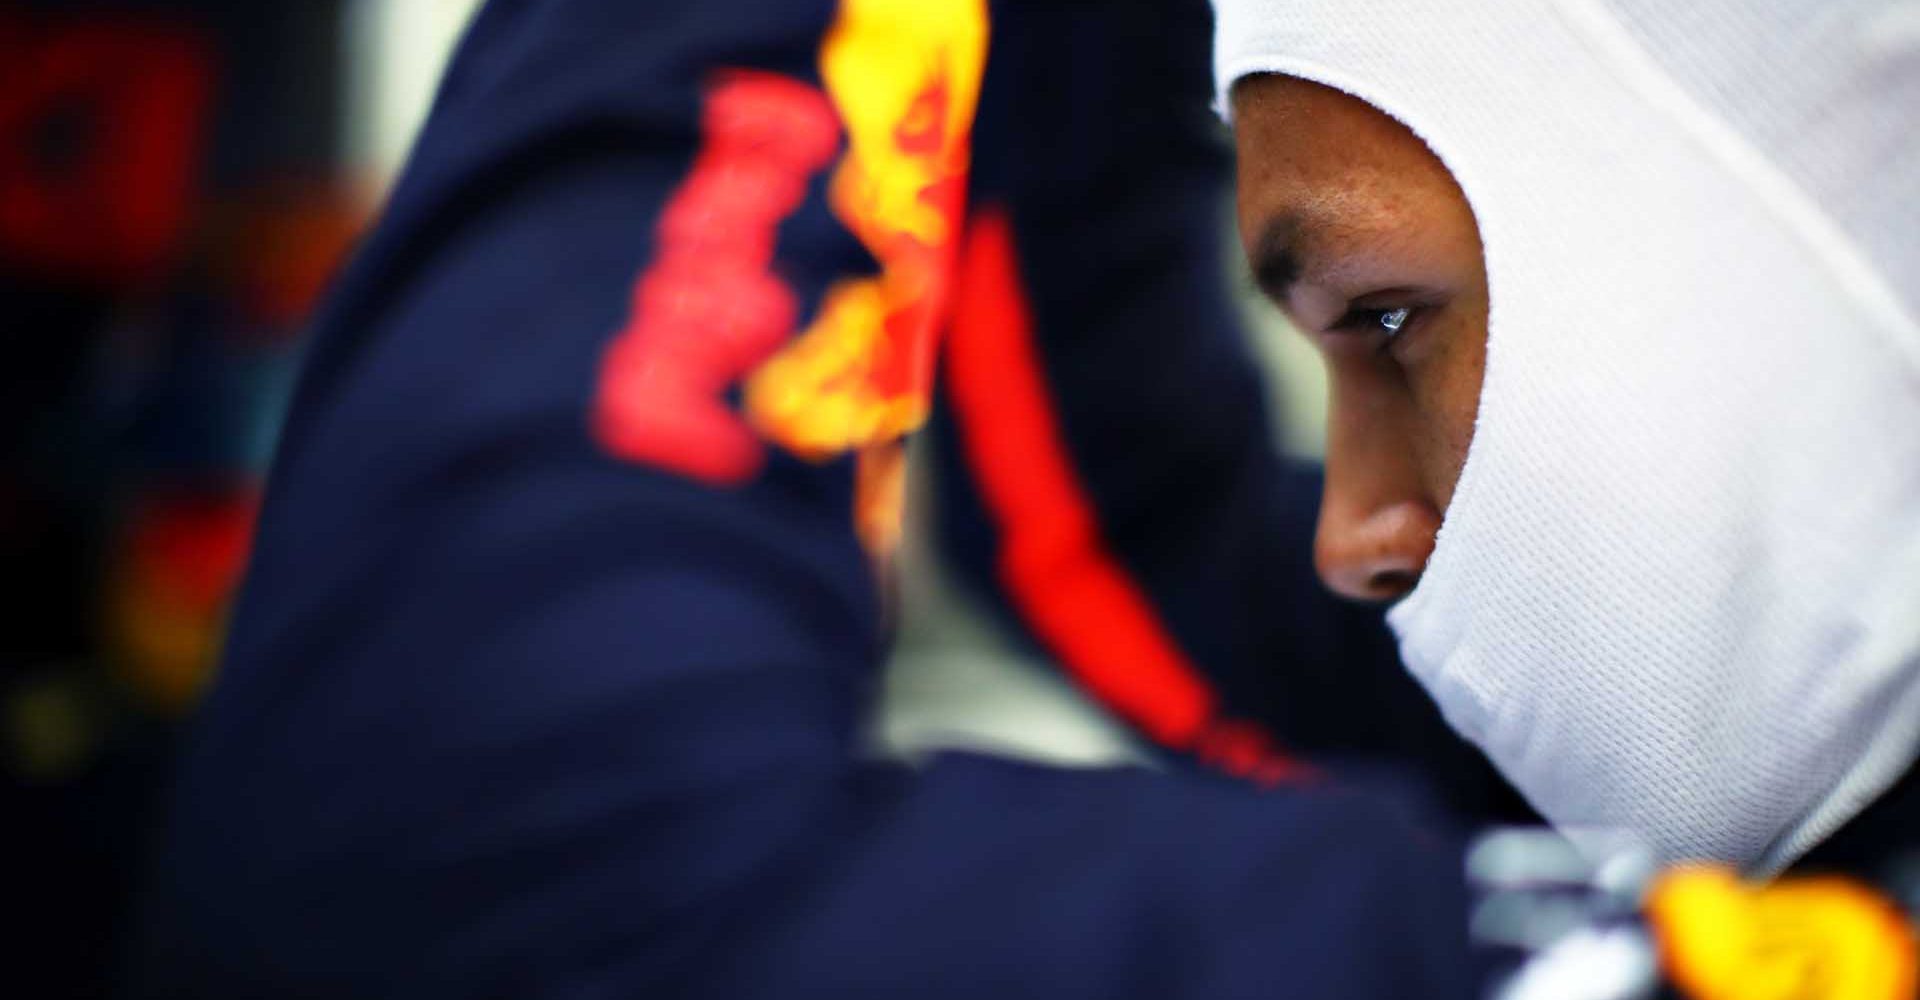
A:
x,y
1391,582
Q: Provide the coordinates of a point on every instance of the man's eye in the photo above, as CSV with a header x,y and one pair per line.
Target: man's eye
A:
x,y
1386,323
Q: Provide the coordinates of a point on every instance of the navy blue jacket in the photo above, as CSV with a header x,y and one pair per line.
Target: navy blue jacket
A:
x,y
507,711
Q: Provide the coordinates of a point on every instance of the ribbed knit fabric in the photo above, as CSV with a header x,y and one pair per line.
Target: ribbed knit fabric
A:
x,y
1678,586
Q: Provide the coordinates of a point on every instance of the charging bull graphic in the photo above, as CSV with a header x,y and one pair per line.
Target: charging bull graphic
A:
x,y
902,78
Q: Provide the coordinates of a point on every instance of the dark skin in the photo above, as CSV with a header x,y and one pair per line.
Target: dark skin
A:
x,y
1359,233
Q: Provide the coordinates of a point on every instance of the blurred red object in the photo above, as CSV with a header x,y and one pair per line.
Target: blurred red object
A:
x,y
170,586
277,247
100,136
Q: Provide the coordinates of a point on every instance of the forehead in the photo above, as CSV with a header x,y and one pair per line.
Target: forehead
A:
x,y
1305,133
1330,173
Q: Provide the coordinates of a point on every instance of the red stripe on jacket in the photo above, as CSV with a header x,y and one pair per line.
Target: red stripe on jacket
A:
x,y
1075,596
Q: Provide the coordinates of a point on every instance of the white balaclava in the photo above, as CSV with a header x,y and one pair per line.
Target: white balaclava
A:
x,y
1677,590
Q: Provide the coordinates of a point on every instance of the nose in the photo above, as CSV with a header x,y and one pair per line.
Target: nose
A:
x,y
1377,521
1372,554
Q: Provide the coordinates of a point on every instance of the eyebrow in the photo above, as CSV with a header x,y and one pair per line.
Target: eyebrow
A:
x,y
1276,256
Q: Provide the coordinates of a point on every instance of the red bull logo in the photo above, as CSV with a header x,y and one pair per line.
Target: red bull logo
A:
x,y
709,308
902,77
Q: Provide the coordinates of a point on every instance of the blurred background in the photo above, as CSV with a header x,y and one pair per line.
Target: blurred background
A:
x,y
178,180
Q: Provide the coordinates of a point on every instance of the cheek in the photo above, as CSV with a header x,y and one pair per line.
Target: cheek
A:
x,y
1373,424
1446,394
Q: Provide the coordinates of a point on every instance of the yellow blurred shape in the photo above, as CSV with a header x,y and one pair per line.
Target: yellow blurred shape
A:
x,y
904,76
1816,938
